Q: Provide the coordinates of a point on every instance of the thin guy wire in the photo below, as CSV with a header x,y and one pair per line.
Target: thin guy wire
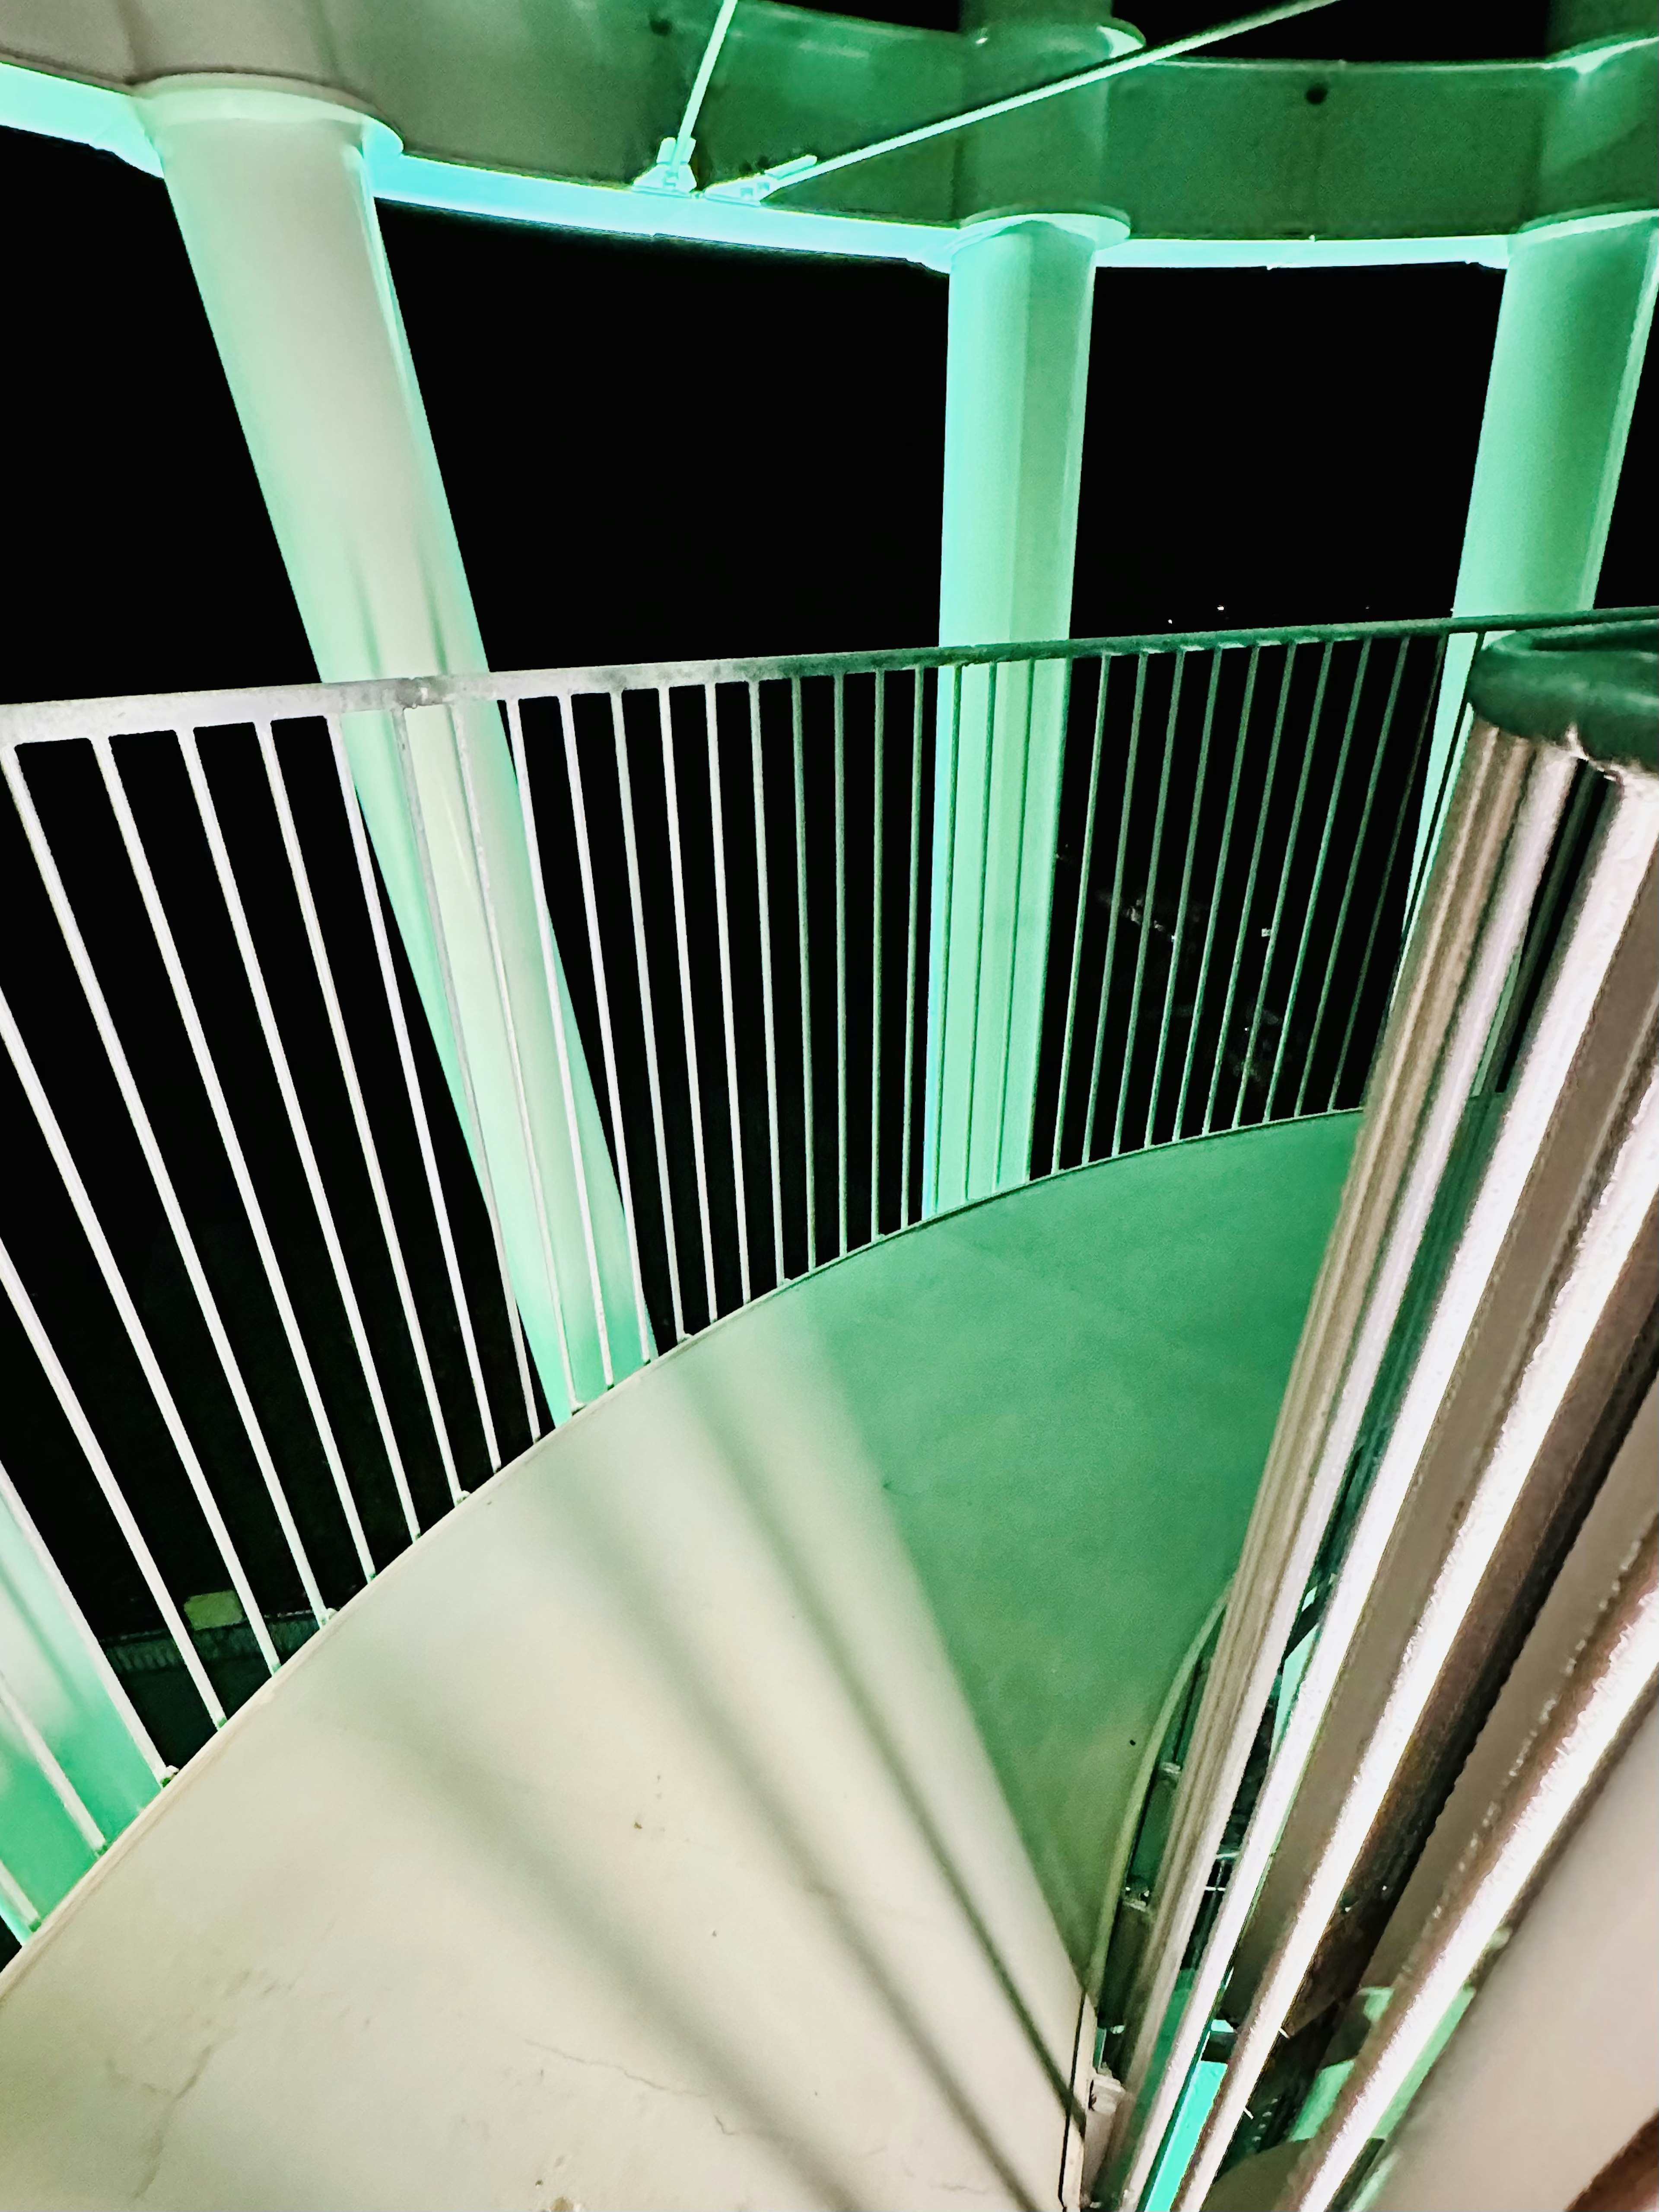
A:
x,y
411,796
1285,867
764,899
1081,916
207,1070
553,981
516,1060
114,1283
631,851
723,928
1262,807
104,1475
266,1015
399,1021
1179,937
1148,907
366,1142
145,1130
1337,781
1378,750
1109,960
677,876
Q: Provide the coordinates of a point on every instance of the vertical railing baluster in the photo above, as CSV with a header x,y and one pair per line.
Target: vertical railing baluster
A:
x,y
1448,775
142,1348
918,690
1356,854
516,1065
22,1724
138,1338
103,1474
1424,724
95,1655
145,1130
365,1134
1263,808
1149,902
647,1016
1075,969
1014,944
839,757
298,1127
1179,937
877,801
764,897
938,987
723,930
1310,911
1240,741
601,1003
688,1017
1110,958
808,1128
23,1907
1286,864
992,674
219,1106
411,797
412,1085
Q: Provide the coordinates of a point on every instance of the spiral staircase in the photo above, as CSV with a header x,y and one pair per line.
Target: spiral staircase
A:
x,y
851,1430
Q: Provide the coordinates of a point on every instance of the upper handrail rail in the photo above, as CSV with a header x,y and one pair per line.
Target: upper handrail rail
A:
x,y
44,721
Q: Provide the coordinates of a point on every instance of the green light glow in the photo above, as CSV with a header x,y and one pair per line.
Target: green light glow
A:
x,y
1185,2129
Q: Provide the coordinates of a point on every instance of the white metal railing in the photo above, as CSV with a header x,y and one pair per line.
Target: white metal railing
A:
x,y
262,1294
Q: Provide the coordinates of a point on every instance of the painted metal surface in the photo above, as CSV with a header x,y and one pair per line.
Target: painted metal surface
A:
x,y
1609,1687
1458,1499
547,117
744,1765
737,860
1017,367
1461,951
270,190
1572,333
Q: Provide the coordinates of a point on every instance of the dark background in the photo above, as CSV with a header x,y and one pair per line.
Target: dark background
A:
x,y
654,452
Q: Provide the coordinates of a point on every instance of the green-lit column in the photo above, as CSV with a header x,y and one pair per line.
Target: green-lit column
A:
x,y
271,188
1017,375
1577,305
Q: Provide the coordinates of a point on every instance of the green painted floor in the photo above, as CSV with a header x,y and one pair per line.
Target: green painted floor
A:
x,y
1069,1392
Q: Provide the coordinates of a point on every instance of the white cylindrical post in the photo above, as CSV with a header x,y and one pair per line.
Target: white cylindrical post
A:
x,y
270,187
1571,332
1021,301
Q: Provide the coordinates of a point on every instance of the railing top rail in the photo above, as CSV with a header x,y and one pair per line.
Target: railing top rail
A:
x,y
45,721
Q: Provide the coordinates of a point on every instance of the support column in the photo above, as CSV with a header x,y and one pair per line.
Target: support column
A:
x,y
1017,375
271,188
1577,305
